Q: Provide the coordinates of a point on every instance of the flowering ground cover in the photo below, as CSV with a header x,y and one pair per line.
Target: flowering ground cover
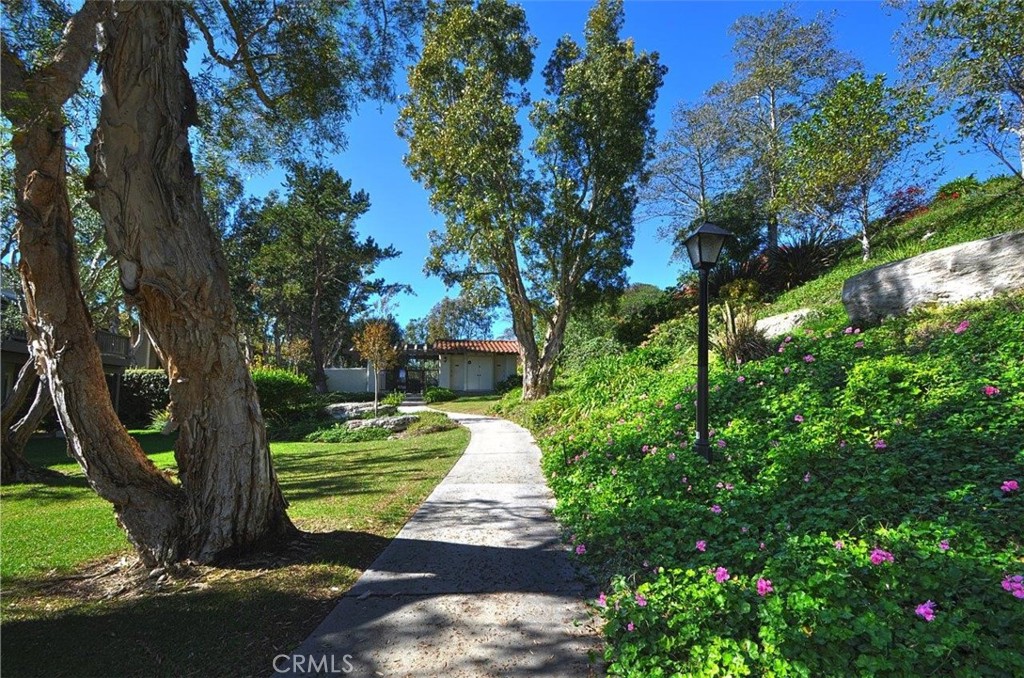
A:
x,y
863,514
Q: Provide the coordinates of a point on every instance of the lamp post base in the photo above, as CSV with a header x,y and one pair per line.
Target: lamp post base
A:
x,y
703,448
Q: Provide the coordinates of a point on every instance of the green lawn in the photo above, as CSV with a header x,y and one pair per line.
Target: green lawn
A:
x,y
483,404
349,499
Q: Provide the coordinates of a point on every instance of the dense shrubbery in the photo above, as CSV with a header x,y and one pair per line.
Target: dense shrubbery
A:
x,y
508,383
142,393
436,394
281,392
857,519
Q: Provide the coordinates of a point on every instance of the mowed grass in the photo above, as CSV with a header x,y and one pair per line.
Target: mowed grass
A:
x,y
470,404
67,611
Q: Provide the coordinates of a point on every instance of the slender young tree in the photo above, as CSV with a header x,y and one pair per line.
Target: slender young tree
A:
x,y
558,239
374,345
693,164
854,151
782,63
969,53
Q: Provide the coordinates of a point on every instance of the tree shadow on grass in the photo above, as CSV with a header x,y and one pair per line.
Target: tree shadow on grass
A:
x,y
237,625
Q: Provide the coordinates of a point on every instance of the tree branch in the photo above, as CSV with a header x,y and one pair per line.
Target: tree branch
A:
x,y
246,58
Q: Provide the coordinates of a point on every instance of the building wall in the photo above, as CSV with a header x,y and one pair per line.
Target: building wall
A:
x,y
476,372
352,379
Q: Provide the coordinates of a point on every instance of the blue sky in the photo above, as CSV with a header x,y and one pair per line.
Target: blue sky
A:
x,y
693,41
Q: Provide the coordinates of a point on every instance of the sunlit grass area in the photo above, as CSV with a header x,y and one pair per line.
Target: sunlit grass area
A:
x,y
68,611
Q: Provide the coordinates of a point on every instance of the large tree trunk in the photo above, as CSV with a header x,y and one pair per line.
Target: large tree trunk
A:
x,y
58,323
144,185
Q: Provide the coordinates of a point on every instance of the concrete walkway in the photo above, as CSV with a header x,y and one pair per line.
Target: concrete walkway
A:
x,y
477,583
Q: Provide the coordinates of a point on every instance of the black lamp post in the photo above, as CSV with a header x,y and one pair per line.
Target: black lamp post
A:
x,y
704,246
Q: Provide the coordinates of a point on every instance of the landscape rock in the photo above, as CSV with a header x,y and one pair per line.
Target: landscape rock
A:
x,y
346,411
399,423
979,269
784,323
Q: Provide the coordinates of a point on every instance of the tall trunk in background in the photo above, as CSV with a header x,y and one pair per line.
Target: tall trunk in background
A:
x,y
144,185
58,324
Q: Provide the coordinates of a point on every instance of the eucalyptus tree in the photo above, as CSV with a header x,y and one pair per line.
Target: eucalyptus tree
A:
x,y
971,55
170,265
693,164
554,231
782,64
855,150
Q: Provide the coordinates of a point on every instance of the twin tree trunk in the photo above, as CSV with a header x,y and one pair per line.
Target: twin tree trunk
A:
x,y
144,185
15,432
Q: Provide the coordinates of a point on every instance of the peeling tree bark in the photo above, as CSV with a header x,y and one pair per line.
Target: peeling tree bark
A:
x,y
144,184
58,323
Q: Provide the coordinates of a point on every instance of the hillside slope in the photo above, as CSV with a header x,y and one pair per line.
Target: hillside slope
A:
x,y
864,512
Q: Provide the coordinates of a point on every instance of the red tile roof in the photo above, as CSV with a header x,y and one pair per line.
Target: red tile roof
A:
x,y
476,346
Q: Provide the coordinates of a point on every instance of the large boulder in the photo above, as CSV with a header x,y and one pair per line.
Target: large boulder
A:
x,y
346,411
973,270
784,323
399,423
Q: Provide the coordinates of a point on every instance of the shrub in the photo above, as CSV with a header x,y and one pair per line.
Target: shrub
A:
x,y
792,265
430,422
159,420
393,399
142,392
905,203
436,394
339,433
508,383
958,188
739,340
282,393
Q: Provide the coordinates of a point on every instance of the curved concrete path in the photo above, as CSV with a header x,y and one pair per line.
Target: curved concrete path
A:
x,y
477,583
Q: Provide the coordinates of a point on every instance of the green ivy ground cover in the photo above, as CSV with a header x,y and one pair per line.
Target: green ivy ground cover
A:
x,y
864,514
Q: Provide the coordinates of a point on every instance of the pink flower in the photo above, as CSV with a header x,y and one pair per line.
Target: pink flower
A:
x,y
629,626
858,344
786,370
721,443
716,509
764,587
645,448
880,444
990,391
702,545
799,418
962,327
926,610
1014,585
581,549
808,358
788,339
944,545
878,556
1010,486
807,477
615,471
839,545
741,379
640,600
679,406
761,547
602,600
721,575
848,330
671,456
782,349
